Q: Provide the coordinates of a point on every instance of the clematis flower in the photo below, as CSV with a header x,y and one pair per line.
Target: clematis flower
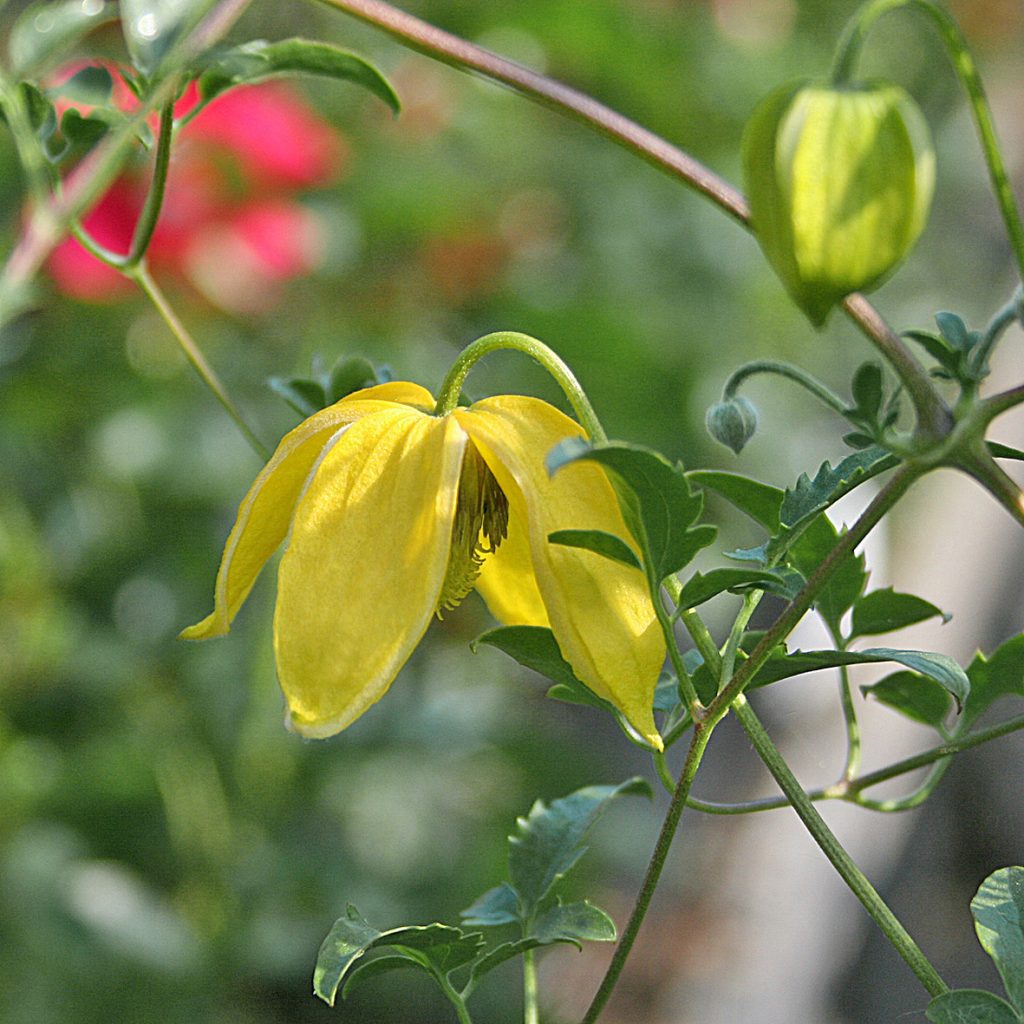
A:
x,y
393,515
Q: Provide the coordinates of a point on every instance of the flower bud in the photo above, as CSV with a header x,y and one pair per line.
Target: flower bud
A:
x,y
732,422
840,180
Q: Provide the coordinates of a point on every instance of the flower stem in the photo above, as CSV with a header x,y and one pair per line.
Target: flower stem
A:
x,y
531,1009
461,1010
451,386
698,744
146,224
963,64
140,274
834,851
790,372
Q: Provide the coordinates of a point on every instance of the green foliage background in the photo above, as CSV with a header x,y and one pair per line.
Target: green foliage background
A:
x,y
167,852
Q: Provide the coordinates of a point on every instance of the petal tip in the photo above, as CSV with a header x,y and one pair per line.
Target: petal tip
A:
x,y
210,627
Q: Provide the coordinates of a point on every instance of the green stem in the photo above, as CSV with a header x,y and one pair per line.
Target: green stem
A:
x,y
790,372
531,1008
698,744
665,620
461,1010
853,740
154,200
980,465
963,64
1011,313
728,663
995,405
451,386
886,498
837,855
141,276
911,800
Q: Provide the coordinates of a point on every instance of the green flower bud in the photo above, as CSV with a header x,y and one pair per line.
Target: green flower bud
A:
x,y
732,421
840,180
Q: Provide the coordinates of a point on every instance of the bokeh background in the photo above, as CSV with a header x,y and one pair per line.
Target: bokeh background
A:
x,y
168,853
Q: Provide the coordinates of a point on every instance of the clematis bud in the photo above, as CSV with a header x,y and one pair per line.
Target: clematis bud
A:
x,y
732,422
840,180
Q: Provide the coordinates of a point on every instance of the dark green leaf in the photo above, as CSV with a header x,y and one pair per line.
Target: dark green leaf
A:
x,y
919,698
43,32
946,672
999,675
446,948
954,331
938,348
375,968
701,587
970,1006
91,86
253,61
152,27
809,497
605,544
535,648
1004,451
998,910
350,373
304,396
848,580
497,906
657,503
546,843
759,501
883,611
867,391
82,133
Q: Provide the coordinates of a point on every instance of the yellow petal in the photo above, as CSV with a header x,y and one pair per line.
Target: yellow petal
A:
x,y
365,563
506,581
265,512
600,611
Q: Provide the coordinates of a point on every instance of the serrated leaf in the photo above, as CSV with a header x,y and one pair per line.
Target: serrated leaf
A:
x,y
917,697
152,27
352,936
970,1006
998,910
605,544
495,907
808,497
575,923
304,396
883,611
43,32
759,501
374,968
942,669
546,843
259,59
701,587
1001,674
657,503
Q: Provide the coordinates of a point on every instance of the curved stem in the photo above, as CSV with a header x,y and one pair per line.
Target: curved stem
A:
x,y
837,855
995,480
140,274
443,46
698,744
966,70
154,200
451,386
1010,314
461,1010
995,405
790,372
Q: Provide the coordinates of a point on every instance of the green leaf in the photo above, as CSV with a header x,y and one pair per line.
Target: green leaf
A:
x,y
259,59
349,373
1004,451
657,503
575,923
546,843
998,910
152,27
351,937
942,669
701,587
867,390
883,611
92,86
808,497
304,396
497,906
919,698
759,501
999,675
605,544
666,693
848,580
43,32
970,1006
376,967
954,330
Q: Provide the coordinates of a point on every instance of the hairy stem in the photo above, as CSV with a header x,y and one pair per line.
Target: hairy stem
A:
x,y
790,372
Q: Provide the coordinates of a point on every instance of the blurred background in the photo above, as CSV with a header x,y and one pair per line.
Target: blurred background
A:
x,y
168,853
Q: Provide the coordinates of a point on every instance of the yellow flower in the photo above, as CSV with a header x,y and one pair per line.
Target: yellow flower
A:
x,y
392,514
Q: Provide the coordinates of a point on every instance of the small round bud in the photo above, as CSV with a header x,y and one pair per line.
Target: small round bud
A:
x,y
840,180
732,422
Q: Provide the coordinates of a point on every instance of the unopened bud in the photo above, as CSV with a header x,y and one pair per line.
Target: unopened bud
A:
x,y
732,422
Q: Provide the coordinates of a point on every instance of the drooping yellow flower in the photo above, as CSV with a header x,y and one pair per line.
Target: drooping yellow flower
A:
x,y
393,514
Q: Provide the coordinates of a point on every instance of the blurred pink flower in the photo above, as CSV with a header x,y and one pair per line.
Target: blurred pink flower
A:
x,y
231,223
